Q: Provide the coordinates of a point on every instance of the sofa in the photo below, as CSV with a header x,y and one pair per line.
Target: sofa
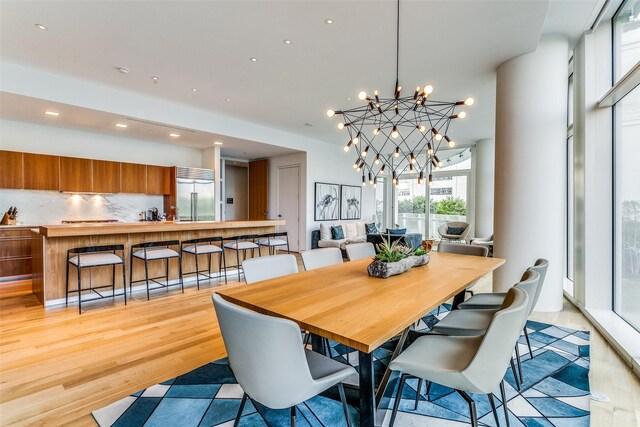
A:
x,y
356,232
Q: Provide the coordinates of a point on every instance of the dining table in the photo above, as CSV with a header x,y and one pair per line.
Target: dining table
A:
x,y
343,303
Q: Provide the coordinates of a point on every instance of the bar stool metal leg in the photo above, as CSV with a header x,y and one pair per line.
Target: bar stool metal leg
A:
x,y
224,266
146,276
130,275
180,272
66,299
124,282
79,269
197,270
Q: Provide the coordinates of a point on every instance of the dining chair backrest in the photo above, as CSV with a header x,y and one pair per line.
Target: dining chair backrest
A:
x,y
529,282
541,265
323,257
462,249
268,267
486,369
266,354
360,250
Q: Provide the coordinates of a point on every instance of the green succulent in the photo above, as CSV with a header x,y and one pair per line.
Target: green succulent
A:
x,y
388,251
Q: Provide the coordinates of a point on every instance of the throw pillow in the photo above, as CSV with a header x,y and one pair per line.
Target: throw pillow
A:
x,y
457,231
397,231
372,228
337,233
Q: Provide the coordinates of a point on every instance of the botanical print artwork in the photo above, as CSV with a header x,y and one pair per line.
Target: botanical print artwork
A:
x,y
351,202
327,201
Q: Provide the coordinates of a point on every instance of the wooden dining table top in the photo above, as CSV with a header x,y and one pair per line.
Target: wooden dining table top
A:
x,y
343,303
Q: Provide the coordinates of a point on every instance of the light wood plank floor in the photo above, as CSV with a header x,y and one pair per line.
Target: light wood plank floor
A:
x,y
56,366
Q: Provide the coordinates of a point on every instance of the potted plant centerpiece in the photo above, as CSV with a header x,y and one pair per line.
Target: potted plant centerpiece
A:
x,y
395,258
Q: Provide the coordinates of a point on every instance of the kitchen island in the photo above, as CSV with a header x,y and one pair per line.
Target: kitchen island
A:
x,y
51,243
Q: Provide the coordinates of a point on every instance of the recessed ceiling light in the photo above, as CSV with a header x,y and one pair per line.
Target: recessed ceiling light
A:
x,y
228,99
41,27
217,143
155,79
121,125
348,98
174,135
252,59
52,113
123,70
286,41
328,21
194,90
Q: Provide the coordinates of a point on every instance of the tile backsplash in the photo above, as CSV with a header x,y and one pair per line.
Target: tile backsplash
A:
x,y
52,207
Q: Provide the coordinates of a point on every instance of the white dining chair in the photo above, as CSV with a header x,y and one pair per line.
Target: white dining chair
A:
x,y
467,364
360,250
269,267
323,257
269,362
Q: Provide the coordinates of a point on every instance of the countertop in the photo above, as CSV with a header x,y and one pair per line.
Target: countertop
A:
x,y
68,230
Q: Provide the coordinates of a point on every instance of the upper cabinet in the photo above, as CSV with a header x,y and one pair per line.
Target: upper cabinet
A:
x,y
134,178
157,180
75,174
11,170
41,172
106,176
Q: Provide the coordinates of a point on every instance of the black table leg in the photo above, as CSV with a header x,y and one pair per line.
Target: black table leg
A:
x,y
458,299
316,343
387,371
367,390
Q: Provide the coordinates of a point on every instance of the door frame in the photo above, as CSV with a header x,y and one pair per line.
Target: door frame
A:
x,y
300,210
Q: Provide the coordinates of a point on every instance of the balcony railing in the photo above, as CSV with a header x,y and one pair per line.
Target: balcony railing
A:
x,y
416,223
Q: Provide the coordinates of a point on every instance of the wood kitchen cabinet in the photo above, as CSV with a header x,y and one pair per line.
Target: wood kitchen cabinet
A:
x,y
157,180
41,172
75,174
106,176
134,178
11,169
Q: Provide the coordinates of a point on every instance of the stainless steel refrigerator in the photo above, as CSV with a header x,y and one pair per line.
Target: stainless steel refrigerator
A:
x,y
195,194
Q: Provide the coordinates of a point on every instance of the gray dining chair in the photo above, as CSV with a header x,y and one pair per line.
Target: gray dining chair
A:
x,y
467,364
475,322
323,257
269,362
492,301
269,267
360,250
463,249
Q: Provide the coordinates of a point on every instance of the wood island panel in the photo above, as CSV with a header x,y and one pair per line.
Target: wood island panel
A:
x,y
55,241
75,174
11,169
41,172
133,178
106,176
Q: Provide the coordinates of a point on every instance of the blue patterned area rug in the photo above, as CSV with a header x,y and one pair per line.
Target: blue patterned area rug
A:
x,y
555,392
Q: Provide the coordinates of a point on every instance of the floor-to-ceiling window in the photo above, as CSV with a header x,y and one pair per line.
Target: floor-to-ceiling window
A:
x,y
626,49
570,221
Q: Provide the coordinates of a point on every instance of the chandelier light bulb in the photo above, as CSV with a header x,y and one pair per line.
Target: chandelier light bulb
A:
x,y
452,143
469,101
440,164
398,89
375,182
358,169
382,169
377,161
364,182
365,151
346,148
355,140
429,180
394,132
370,178
438,137
376,131
428,89
422,128
397,152
413,158
340,125
330,113
462,114
362,95
411,168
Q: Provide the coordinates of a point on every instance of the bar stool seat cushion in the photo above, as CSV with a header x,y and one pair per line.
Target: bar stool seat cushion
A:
x,y
272,242
93,260
156,253
240,245
202,249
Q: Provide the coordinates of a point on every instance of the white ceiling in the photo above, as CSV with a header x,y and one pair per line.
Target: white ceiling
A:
x,y
454,45
26,109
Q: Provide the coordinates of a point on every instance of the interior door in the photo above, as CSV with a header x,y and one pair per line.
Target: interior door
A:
x,y
259,190
289,203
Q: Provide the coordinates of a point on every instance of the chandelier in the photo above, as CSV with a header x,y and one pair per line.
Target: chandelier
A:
x,y
400,134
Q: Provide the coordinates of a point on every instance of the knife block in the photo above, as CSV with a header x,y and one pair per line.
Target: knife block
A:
x,y
7,221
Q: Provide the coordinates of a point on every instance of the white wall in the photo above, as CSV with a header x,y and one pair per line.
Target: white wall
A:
x,y
484,182
236,185
34,138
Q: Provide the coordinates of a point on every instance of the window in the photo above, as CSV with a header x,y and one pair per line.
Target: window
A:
x,y
380,205
627,208
626,38
570,220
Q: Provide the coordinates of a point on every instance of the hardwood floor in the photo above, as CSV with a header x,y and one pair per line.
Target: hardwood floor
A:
x,y
56,366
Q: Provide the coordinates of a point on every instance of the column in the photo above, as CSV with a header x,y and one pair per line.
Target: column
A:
x,y
484,182
531,132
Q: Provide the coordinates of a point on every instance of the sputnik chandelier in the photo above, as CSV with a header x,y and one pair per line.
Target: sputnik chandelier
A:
x,y
401,134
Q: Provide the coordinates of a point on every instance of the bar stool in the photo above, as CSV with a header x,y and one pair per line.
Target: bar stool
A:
x,y
242,244
205,246
154,251
273,240
96,256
